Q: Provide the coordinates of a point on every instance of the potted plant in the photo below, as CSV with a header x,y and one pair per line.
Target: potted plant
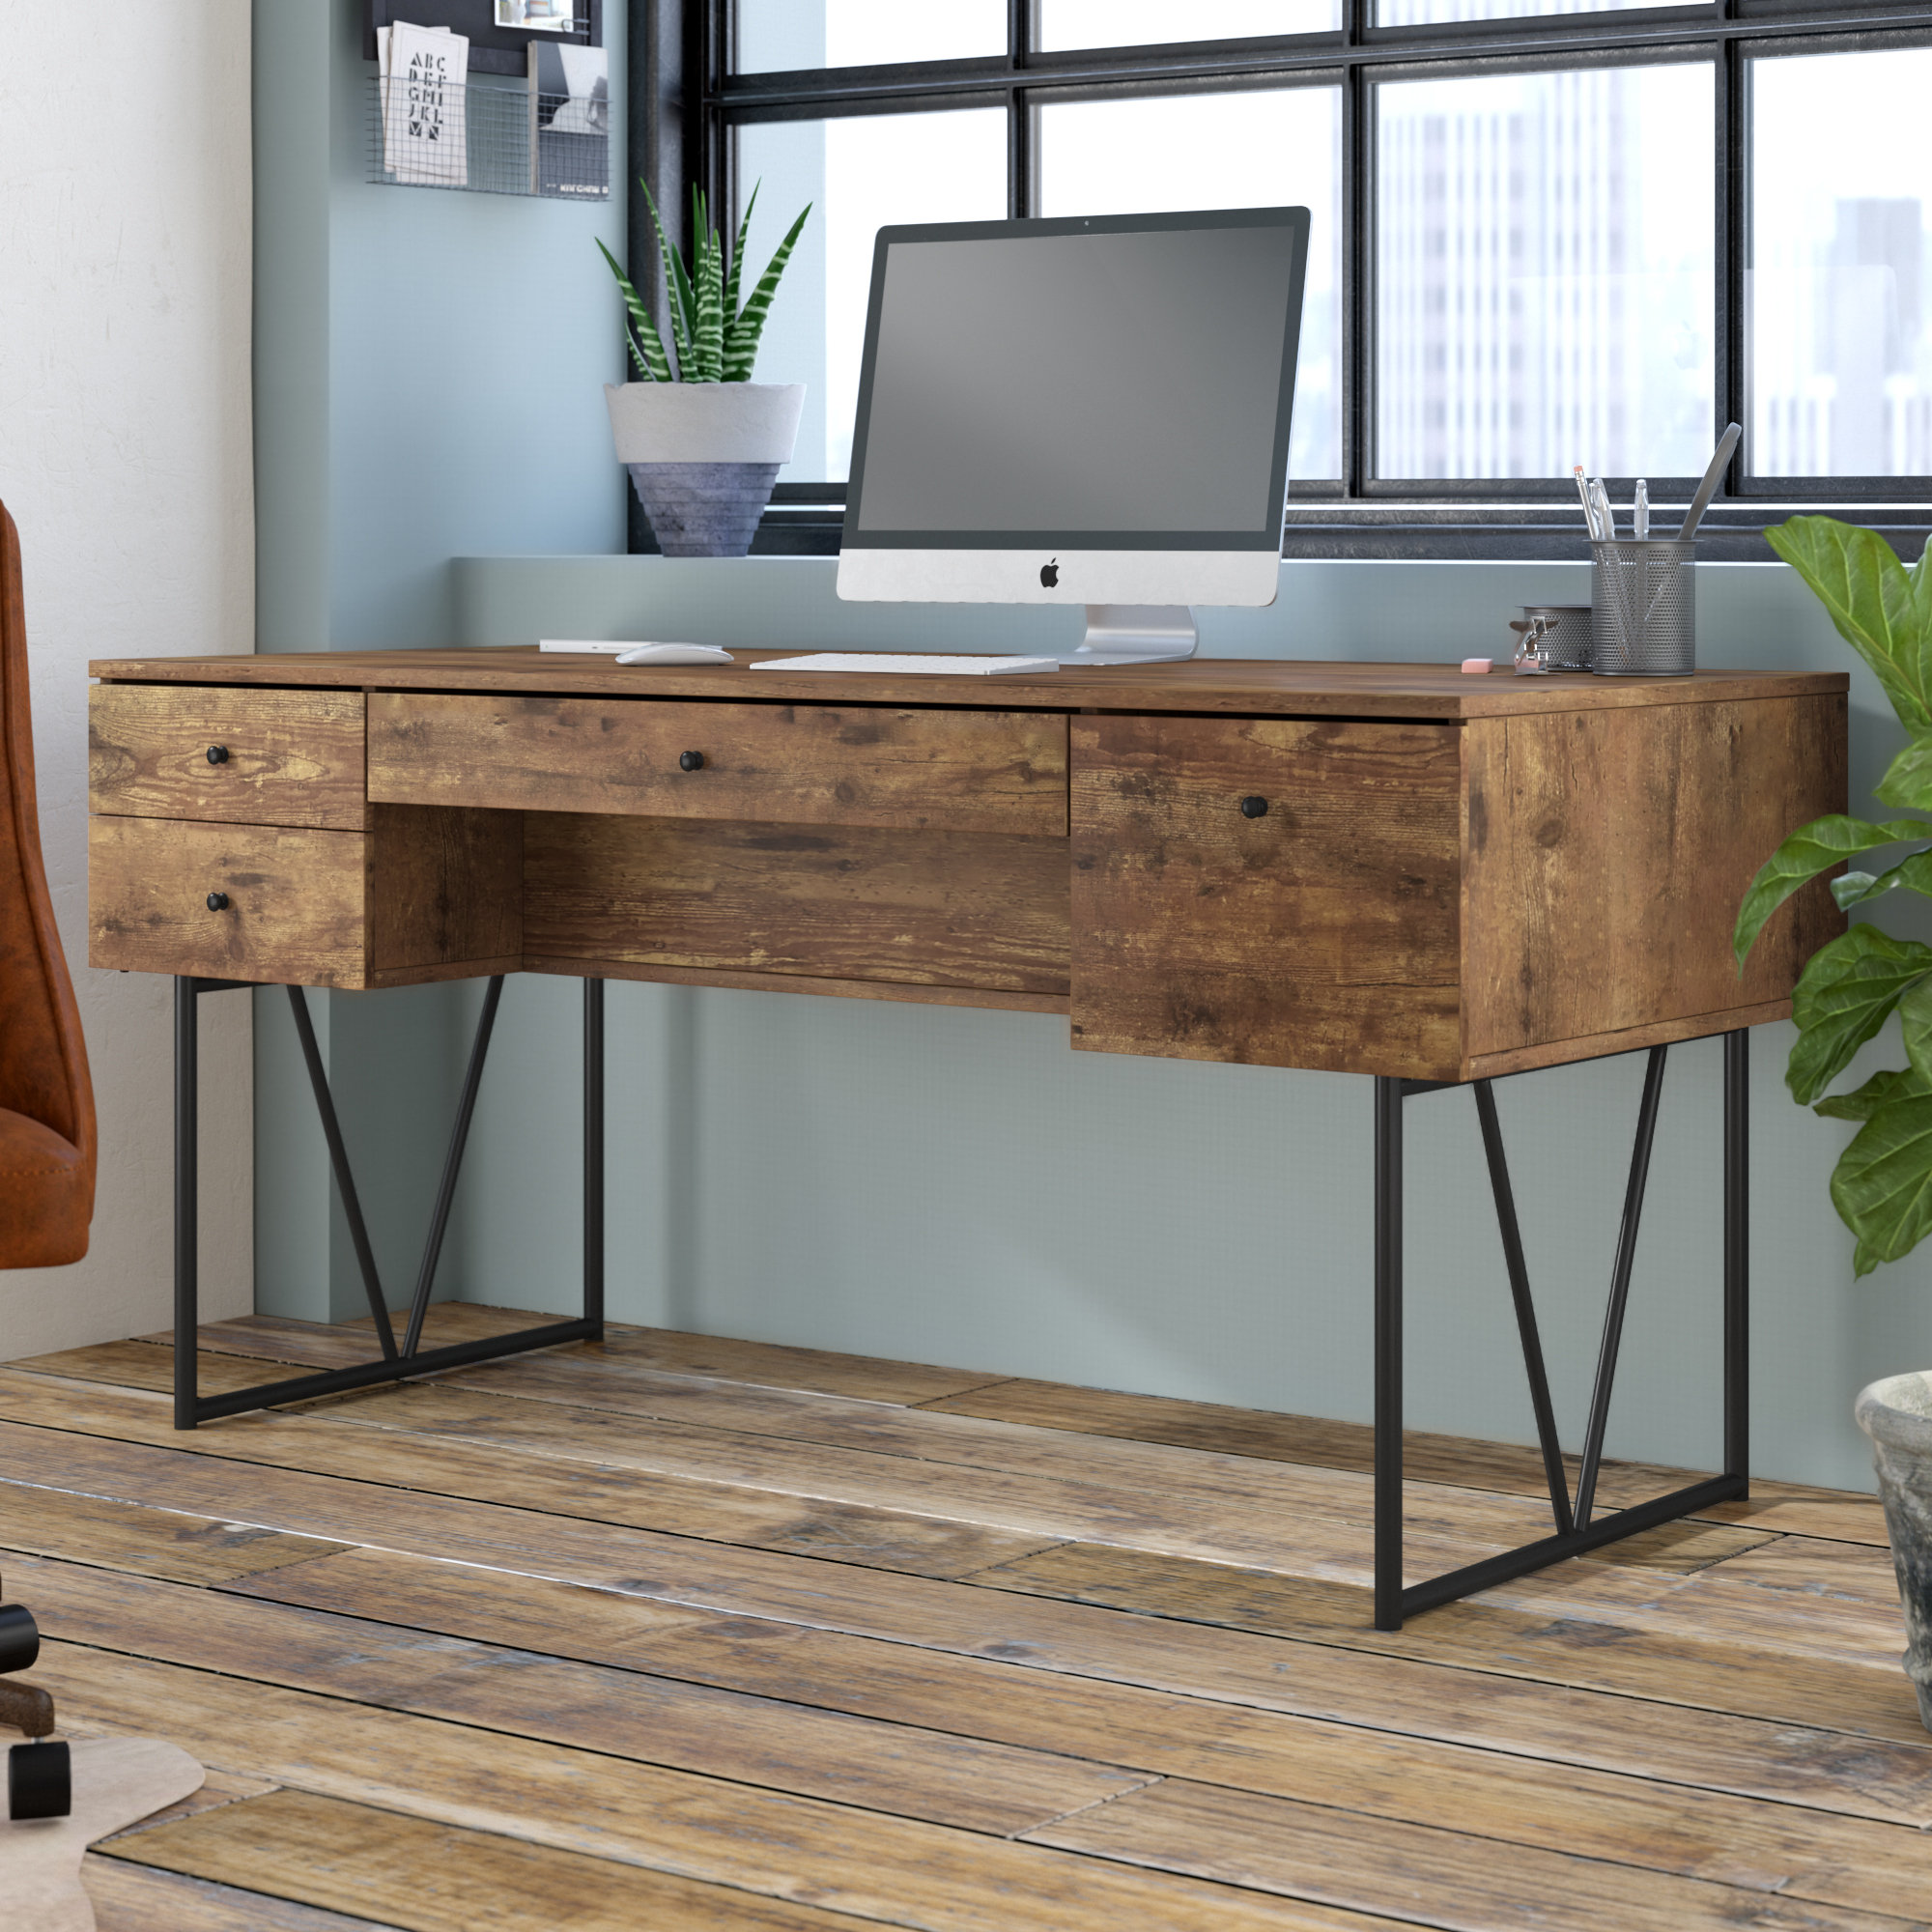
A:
x,y
1852,986
702,442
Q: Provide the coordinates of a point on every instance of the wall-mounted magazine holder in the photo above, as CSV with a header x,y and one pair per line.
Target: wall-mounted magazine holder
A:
x,y
492,137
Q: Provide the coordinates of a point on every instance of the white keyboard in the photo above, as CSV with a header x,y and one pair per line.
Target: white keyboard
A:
x,y
936,667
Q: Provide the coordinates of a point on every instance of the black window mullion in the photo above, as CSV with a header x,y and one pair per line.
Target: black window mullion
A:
x,y
1020,158
1733,247
1357,264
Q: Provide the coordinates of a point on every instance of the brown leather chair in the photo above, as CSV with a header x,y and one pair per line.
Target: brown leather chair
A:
x,y
46,1101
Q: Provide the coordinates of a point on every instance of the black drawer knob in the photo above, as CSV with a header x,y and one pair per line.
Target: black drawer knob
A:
x,y
217,901
1254,807
217,754
691,761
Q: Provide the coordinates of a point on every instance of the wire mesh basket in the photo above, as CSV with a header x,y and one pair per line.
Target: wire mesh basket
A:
x,y
1565,638
1643,608
491,138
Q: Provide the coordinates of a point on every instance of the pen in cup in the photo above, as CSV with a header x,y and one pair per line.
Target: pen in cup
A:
x,y
1640,511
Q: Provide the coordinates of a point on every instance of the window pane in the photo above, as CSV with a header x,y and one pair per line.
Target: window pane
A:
x,y
1141,23
1425,13
1278,148
1544,263
774,35
1840,354
859,174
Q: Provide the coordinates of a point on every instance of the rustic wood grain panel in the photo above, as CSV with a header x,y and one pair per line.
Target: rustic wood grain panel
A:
x,y
297,900
1323,934
130,1897
1524,1800
294,758
1609,852
904,990
1243,686
904,1769
437,1878
180,1547
814,764
1468,1880
856,903
1789,1760
447,887
903,1871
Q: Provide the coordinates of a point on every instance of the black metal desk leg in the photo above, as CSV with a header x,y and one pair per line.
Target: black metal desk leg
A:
x,y
1737,1256
593,1152
188,1148
1388,1353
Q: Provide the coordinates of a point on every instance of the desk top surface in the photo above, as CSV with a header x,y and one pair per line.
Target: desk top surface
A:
x,y
1238,685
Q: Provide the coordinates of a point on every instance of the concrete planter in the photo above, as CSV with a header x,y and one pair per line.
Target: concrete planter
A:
x,y
1896,1414
703,457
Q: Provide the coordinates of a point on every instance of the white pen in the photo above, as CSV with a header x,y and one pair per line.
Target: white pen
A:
x,y
1640,511
1601,498
1589,508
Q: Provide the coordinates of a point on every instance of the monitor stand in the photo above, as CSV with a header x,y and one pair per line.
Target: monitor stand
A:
x,y
1136,634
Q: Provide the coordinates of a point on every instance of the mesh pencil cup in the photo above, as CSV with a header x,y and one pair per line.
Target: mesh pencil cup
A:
x,y
1643,616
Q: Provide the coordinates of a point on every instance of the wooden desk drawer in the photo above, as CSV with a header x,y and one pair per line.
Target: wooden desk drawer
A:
x,y
953,771
288,757
1324,931
423,894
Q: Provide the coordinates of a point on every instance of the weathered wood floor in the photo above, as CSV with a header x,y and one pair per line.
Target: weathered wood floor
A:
x,y
690,1634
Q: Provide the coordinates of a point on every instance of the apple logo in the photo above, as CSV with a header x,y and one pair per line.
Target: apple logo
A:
x,y
1049,575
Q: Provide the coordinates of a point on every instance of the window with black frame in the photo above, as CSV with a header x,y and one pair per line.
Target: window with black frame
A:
x,y
1546,232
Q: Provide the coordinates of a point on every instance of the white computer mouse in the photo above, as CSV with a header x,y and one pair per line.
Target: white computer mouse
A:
x,y
675,654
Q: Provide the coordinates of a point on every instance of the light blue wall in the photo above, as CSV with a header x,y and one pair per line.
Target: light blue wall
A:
x,y
944,1185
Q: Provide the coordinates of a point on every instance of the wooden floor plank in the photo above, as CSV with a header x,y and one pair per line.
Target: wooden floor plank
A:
x,y
187,1549
1706,1664
797,1849
428,1877
1624,1819
130,1898
314,1439
1460,1882
1610,1733
906,1770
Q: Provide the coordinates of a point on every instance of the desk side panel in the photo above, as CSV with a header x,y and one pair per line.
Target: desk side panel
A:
x,y
1319,933
979,910
1607,853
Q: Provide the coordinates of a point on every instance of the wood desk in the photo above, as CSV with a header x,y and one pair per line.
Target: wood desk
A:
x,y
1395,870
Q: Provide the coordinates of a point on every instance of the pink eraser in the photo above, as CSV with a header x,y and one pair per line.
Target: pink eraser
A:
x,y
1477,665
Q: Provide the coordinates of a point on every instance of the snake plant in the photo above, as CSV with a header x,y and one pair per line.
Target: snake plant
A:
x,y
1853,985
716,341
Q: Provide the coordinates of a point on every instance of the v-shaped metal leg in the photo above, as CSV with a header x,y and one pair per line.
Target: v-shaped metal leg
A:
x,y
1577,1527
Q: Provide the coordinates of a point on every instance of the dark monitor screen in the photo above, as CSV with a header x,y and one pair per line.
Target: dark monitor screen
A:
x,y
1122,381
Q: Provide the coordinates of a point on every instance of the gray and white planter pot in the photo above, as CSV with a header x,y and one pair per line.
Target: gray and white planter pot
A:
x,y
1896,1414
704,456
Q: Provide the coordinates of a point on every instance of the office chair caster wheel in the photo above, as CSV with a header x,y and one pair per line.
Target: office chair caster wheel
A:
x,y
40,1782
20,1638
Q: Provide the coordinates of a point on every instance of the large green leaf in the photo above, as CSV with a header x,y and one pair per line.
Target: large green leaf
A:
x,y
1845,995
1895,1083
1908,779
707,282
742,331
646,344
1881,1186
1915,874
1880,609
1811,849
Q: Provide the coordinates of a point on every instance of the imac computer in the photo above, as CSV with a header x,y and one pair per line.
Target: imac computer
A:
x,y
1091,410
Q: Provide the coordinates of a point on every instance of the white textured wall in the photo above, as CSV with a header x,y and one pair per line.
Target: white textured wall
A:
x,y
125,458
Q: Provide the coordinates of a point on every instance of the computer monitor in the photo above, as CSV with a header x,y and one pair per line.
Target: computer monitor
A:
x,y
1091,411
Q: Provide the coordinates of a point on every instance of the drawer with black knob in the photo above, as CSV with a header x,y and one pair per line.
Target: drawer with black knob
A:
x,y
911,769
228,754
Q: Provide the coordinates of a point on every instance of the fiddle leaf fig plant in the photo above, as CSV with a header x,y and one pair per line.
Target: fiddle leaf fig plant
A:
x,y
1851,985
715,340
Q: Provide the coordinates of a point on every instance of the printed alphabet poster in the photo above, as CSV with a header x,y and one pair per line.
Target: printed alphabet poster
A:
x,y
425,79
